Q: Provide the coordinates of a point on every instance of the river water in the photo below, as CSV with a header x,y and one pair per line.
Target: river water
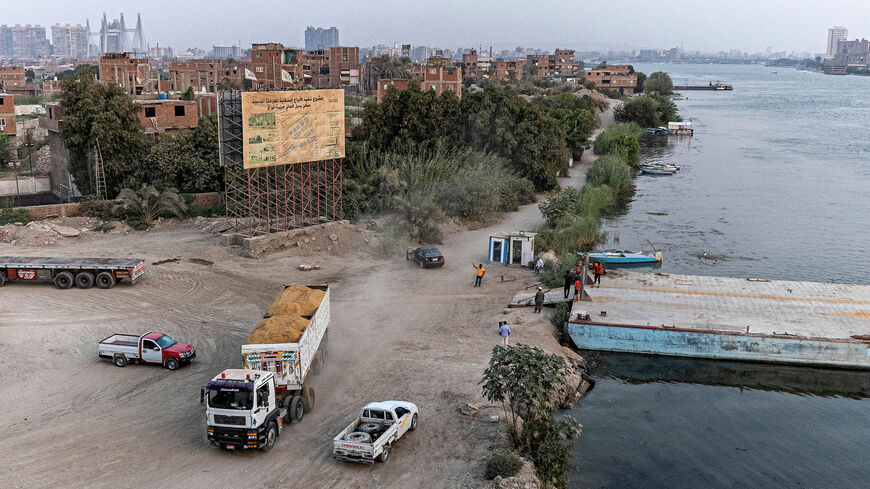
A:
x,y
775,183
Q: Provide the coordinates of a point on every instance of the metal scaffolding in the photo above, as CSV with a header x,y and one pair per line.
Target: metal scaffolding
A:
x,y
277,198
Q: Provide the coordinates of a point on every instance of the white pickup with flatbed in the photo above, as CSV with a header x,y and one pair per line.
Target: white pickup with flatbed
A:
x,y
370,436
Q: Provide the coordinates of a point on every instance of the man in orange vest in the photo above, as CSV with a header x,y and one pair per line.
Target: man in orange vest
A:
x,y
480,272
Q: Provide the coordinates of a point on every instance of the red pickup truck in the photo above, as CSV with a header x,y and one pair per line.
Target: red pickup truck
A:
x,y
151,347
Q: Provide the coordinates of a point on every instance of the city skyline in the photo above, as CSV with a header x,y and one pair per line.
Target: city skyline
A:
x,y
741,24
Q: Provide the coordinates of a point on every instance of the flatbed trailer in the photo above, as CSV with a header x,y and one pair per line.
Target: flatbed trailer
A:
x,y
84,273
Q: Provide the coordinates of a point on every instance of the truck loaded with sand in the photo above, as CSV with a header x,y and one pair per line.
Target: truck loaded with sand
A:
x,y
247,408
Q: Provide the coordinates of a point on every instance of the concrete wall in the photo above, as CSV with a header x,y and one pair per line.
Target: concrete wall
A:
x,y
25,186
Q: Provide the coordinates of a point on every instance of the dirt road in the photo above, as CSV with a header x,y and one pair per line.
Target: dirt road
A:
x,y
398,332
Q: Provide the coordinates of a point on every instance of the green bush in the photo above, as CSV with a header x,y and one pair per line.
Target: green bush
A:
x,y
553,274
543,442
560,315
196,211
423,216
9,216
559,204
651,110
503,465
611,170
620,138
576,233
101,209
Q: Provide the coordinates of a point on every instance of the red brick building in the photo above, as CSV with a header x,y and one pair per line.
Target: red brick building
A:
x,y
161,116
616,77
131,74
557,66
344,68
469,61
267,62
203,75
438,78
62,184
51,88
7,114
13,80
504,70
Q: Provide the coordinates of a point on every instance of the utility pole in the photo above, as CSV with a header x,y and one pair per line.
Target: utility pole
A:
x,y
29,145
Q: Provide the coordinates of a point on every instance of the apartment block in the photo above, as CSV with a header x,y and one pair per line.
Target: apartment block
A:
x,y
268,60
24,41
7,114
158,117
557,66
616,77
12,79
203,75
438,78
320,38
344,68
275,66
508,69
70,41
131,74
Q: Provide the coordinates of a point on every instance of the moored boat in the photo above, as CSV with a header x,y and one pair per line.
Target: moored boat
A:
x,y
623,257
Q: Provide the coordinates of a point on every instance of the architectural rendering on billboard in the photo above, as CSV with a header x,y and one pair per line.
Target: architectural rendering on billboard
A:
x,y
281,128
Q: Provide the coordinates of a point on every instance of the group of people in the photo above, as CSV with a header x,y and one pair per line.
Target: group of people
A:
x,y
574,275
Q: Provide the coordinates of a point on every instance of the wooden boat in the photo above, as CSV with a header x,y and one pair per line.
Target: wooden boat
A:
x,y
657,170
623,257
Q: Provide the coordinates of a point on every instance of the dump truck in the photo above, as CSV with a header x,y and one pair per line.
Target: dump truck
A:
x,y
84,273
247,408
371,436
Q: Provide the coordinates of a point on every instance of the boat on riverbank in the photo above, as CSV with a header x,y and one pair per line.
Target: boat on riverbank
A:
x,y
805,323
658,170
623,257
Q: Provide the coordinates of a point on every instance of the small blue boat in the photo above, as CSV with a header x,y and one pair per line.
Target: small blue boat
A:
x,y
623,257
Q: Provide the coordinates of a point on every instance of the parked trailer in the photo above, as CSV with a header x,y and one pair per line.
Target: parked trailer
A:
x,y
84,273
246,408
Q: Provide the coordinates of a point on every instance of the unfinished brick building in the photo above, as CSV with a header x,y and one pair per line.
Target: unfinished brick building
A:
x,y
131,74
7,114
616,77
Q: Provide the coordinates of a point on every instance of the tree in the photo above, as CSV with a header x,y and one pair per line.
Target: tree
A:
x,y
5,150
100,113
188,94
142,208
525,380
29,75
641,78
575,114
659,82
651,110
188,161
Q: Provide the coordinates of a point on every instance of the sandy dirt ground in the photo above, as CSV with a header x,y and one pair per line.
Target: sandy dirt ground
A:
x,y
398,332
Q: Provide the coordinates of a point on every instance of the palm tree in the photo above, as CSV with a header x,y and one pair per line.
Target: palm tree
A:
x,y
148,204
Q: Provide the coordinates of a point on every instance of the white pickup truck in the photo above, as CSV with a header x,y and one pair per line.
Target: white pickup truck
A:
x,y
371,435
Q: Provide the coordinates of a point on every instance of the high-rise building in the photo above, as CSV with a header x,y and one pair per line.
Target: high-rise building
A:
x,y
24,42
226,52
70,41
835,34
320,38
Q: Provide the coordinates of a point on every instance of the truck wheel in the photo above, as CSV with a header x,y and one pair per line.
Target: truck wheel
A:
x,y
105,280
413,423
85,280
370,428
63,280
172,363
307,399
271,436
297,409
120,361
385,455
358,437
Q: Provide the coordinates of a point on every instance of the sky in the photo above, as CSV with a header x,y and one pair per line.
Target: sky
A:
x,y
708,26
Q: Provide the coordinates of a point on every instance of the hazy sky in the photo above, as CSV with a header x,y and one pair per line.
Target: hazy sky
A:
x,y
711,25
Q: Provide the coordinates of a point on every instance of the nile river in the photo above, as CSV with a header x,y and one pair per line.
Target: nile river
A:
x,y
775,183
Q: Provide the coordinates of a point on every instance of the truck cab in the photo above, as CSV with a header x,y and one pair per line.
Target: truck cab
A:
x,y
242,410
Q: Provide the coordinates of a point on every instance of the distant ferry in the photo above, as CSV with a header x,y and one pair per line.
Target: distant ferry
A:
x,y
710,86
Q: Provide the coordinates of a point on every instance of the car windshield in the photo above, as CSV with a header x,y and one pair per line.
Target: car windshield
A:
x,y
230,399
165,341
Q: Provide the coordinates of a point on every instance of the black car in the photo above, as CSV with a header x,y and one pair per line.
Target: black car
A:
x,y
426,256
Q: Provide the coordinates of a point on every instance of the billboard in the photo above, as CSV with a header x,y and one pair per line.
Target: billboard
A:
x,y
282,128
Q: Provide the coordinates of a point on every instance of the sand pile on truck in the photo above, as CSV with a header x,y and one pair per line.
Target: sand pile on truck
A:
x,y
297,299
284,328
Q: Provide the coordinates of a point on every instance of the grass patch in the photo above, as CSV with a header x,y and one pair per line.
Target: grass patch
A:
x,y
503,465
10,216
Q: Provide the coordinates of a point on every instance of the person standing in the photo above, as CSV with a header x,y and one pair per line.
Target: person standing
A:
x,y
539,265
504,331
577,290
597,269
539,299
480,271
569,279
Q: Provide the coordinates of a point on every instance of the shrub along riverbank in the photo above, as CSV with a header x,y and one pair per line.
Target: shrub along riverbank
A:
x,y
574,216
